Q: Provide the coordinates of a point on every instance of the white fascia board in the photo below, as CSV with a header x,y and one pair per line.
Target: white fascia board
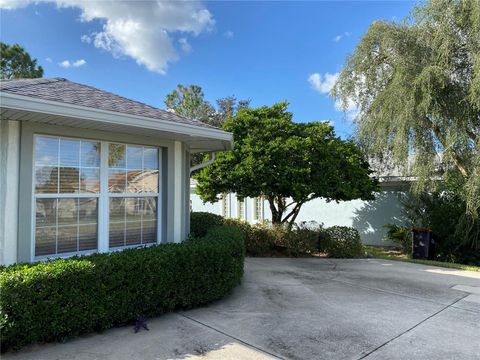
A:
x,y
27,103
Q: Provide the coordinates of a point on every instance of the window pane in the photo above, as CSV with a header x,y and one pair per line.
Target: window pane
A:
x,y
134,157
90,153
150,158
117,234
117,209
69,177
45,241
134,233
46,179
67,239
46,212
90,180
67,211
134,181
150,208
69,153
116,181
150,181
87,237
149,232
66,166
133,208
46,151
116,155
88,211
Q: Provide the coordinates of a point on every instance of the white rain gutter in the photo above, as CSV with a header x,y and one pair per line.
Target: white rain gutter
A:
x,y
203,164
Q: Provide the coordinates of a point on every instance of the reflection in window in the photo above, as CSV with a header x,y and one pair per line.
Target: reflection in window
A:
x,y
132,169
65,225
67,194
64,168
133,221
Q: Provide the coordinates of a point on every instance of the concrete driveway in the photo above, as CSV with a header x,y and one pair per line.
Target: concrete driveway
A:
x,y
308,309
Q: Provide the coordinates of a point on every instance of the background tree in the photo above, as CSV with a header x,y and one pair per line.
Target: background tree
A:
x,y
190,101
417,88
16,63
287,163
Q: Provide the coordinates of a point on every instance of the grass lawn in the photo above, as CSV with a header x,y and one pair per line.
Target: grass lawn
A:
x,y
390,254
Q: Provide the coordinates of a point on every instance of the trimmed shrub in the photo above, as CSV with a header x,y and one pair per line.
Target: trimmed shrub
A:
x,y
62,298
341,242
269,240
201,222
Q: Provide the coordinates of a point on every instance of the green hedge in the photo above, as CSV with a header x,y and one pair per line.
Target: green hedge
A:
x,y
63,298
201,222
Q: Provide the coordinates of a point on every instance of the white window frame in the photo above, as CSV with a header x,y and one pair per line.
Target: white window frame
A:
x,y
258,214
225,210
103,201
241,209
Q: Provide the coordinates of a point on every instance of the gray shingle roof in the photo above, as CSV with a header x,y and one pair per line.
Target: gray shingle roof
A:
x,y
65,91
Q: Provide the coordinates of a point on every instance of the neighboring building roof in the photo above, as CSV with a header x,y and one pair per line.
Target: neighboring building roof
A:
x,y
65,91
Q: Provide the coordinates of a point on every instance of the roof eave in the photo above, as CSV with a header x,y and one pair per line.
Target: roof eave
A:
x,y
36,105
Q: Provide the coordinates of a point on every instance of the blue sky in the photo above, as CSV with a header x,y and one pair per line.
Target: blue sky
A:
x,y
263,51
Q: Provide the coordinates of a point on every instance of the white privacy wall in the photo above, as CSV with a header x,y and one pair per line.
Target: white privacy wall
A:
x,y
368,217
9,172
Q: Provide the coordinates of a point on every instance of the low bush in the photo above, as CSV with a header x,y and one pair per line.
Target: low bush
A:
x,y
62,298
305,238
201,222
342,242
270,240
400,235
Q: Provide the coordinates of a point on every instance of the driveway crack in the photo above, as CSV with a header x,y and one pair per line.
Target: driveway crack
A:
x,y
232,337
411,328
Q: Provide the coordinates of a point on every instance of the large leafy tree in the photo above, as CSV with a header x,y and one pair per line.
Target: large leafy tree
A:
x,y
417,87
16,63
288,163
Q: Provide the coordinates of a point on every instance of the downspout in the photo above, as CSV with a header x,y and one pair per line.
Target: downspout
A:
x,y
204,164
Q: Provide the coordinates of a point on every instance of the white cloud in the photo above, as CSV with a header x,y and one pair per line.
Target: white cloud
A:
x,y
69,64
341,36
323,83
86,39
228,34
184,45
49,60
141,30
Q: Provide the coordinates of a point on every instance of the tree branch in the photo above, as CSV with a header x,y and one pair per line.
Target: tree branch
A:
x,y
459,163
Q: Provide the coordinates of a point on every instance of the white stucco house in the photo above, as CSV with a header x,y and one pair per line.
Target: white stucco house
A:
x,y
368,217
83,170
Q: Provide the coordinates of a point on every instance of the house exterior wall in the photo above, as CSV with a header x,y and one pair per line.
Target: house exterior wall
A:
x,y
368,217
16,184
9,179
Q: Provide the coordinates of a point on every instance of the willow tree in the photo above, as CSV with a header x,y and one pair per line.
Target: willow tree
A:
x,y
416,84
287,163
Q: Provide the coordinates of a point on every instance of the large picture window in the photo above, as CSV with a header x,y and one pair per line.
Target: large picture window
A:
x,y
69,189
